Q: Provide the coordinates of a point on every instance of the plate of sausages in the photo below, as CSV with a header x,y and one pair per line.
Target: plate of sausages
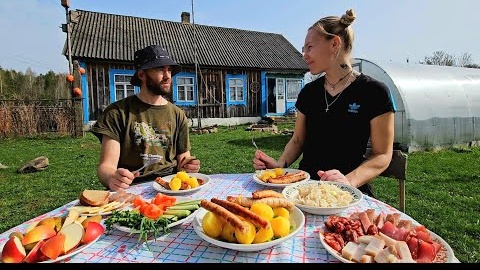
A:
x,y
231,212
280,177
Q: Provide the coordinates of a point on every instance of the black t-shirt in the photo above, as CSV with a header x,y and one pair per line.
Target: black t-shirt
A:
x,y
338,139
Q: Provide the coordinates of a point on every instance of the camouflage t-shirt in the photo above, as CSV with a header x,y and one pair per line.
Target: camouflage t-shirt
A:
x,y
145,130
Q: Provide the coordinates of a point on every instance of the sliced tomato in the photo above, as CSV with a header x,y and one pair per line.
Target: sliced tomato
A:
x,y
164,200
152,211
143,207
138,201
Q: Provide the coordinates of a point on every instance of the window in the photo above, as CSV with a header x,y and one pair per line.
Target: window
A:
x,y
236,89
185,89
122,85
293,88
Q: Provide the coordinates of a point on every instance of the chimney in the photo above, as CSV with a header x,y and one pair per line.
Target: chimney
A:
x,y
185,17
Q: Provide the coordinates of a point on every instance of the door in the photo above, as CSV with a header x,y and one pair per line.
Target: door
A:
x,y
280,95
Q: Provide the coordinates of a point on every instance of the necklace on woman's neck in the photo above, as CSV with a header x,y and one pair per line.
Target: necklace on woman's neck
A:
x,y
331,103
333,85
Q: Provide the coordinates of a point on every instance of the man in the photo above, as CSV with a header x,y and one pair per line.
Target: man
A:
x,y
144,126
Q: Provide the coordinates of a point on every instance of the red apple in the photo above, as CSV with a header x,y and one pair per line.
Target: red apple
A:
x,y
13,251
35,255
74,234
38,233
92,231
53,247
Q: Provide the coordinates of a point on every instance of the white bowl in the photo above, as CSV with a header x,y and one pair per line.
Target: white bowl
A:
x,y
167,178
257,174
291,192
296,217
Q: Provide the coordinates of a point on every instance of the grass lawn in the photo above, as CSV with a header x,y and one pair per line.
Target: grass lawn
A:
x,y
442,187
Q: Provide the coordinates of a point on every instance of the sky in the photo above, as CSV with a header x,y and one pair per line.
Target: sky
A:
x,y
385,30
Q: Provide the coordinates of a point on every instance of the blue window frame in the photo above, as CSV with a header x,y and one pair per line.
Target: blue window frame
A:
x,y
184,91
120,86
236,89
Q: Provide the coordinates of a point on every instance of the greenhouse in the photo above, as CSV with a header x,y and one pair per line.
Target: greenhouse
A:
x,y
436,106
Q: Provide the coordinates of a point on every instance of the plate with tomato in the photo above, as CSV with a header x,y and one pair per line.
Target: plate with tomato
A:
x,y
164,211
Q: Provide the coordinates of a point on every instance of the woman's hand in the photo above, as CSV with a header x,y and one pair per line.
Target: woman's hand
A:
x,y
334,176
193,166
121,179
262,161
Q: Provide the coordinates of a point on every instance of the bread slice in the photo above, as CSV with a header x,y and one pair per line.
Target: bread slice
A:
x,y
91,197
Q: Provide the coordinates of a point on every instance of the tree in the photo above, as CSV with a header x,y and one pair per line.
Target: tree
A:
x,y
439,58
465,60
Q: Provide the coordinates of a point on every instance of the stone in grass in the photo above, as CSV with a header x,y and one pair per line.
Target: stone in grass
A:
x,y
3,166
37,164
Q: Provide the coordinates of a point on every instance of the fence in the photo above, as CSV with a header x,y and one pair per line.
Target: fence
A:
x,y
20,118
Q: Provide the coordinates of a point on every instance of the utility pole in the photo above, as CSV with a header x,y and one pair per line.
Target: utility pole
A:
x,y
77,102
196,69
66,5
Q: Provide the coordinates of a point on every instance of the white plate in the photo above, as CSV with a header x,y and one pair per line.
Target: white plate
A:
x,y
291,193
296,217
73,252
257,174
167,178
444,255
59,258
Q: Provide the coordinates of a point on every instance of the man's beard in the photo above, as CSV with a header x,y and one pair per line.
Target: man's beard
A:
x,y
156,89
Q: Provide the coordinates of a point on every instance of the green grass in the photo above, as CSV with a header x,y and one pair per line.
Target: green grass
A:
x,y
442,187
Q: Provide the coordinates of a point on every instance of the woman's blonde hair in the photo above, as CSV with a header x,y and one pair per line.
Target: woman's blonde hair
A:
x,y
337,26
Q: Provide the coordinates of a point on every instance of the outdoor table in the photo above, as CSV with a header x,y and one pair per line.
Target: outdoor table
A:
x,y
183,245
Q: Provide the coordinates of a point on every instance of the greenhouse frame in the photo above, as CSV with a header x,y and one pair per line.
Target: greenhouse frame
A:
x,y
436,106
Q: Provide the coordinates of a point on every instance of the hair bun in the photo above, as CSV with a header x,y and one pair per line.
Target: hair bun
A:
x,y
348,18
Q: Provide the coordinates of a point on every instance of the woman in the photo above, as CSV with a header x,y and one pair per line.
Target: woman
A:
x,y
338,113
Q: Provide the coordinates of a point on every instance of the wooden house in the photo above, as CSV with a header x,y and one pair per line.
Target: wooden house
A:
x,y
226,72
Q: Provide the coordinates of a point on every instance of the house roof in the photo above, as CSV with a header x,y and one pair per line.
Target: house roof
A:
x,y
113,37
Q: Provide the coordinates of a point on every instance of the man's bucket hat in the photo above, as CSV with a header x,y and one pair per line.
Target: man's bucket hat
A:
x,y
150,57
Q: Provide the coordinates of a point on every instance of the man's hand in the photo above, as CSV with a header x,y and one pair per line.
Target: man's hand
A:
x,y
121,179
193,166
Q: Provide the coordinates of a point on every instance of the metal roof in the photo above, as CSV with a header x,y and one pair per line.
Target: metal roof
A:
x,y
116,37
436,105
